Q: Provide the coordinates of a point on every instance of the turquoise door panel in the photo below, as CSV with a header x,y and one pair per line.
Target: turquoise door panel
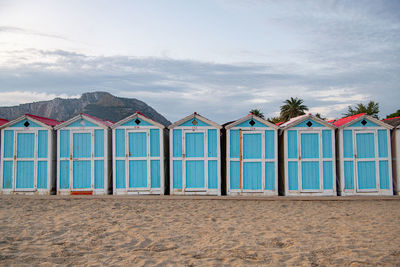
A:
x,y
120,174
138,173
310,175
365,145
155,175
194,145
195,174
309,145
42,143
7,174
137,144
25,145
25,174
99,174
252,176
42,174
177,174
252,146
81,174
366,174
82,145
212,174
64,174
234,175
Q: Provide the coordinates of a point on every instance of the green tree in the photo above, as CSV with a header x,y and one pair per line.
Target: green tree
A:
x,y
319,116
396,114
372,109
292,107
257,112
274,120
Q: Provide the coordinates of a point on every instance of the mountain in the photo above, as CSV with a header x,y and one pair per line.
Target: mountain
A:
x,y
100,104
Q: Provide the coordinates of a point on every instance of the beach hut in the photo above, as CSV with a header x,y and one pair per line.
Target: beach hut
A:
x,y
251,157
28,155
140,150
307,157
83,156
195,164
395,144
364,156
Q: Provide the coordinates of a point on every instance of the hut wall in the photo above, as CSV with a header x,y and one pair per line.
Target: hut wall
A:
x,y
83,158
27,159
139,158
195,165
309,160
252,165
365,160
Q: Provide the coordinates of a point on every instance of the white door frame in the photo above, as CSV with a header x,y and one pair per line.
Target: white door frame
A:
x,y
375,159
319,160
34,159
72,159
146,158
204,159
262,159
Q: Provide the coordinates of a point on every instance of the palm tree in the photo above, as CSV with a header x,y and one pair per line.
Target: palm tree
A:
x,y
372,109
274,120
292,107
257,112
319,116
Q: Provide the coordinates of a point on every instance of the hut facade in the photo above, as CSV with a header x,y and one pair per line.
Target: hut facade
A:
x,y
251,157
83,156
28,155
364,156
140,150
195,164
307,152
395,144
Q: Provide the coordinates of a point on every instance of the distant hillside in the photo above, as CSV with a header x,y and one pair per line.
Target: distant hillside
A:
x,y
100,104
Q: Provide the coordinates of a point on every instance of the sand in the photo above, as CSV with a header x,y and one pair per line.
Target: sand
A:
x,y
168,232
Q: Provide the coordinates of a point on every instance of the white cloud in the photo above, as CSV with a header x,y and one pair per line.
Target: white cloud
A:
x,y
21,97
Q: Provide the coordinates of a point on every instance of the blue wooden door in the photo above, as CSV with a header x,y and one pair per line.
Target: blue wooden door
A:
x,y
252,149
309,161
25,161
138,160
194,156
81,165
365,161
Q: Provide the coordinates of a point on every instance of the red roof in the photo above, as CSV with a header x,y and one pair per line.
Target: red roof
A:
x,y
391,118
346,120
106,123
44,120
279,123
3,121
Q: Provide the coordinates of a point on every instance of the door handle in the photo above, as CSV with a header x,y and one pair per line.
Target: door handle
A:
x,y
183,156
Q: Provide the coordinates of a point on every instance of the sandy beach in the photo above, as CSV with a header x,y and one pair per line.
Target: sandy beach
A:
x,y
182,231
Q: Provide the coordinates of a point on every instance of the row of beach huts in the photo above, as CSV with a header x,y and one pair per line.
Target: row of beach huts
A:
x,y
307,156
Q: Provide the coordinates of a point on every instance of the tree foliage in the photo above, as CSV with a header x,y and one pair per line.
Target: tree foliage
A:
x,y
274,120
372,109
257,112
292,107
396,114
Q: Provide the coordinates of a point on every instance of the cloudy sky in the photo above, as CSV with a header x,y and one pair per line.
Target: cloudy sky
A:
x,y
219,58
